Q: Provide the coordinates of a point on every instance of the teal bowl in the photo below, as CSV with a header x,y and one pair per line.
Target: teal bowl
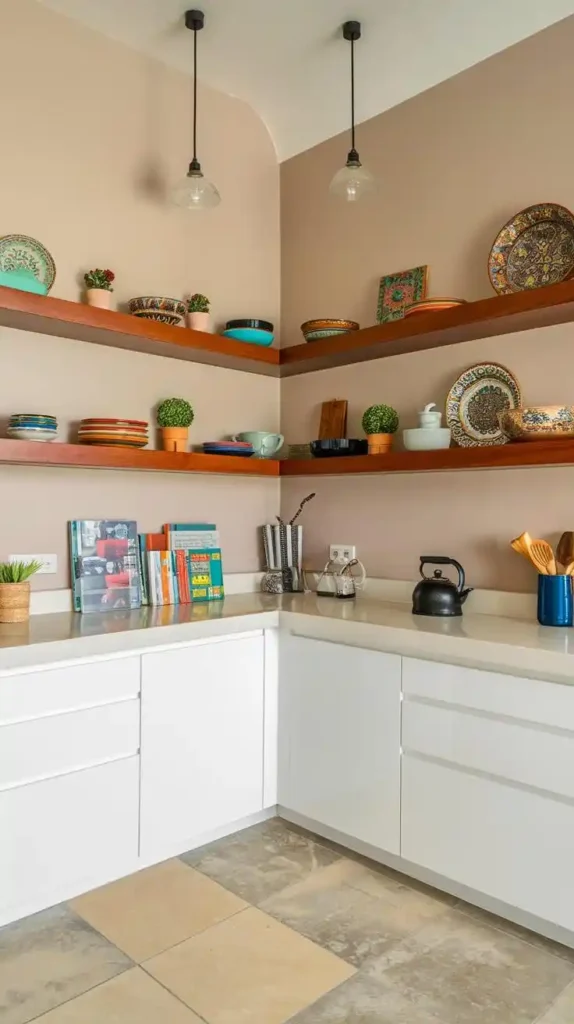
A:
x,y
251,335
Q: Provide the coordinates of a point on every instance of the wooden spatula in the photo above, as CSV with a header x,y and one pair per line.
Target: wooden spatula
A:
x,y
522,546
543,558
565,549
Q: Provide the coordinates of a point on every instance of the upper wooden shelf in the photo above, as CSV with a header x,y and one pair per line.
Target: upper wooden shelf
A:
x,y
501,314
46,315
506,456
78,456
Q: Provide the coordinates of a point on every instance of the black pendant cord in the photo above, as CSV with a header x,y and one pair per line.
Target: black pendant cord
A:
x,y
353,96
194,97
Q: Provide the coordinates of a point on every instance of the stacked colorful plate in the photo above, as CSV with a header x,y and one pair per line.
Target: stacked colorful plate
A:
x,y
114,433
32,426
315,330
241,448
433,305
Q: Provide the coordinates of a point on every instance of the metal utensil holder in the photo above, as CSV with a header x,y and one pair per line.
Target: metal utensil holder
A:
x,y
340,582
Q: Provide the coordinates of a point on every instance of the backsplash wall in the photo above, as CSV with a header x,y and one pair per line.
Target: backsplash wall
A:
x,y
452,165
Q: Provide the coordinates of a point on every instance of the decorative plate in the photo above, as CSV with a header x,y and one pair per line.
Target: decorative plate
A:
x,y
20,252
397,291
475,401
535,248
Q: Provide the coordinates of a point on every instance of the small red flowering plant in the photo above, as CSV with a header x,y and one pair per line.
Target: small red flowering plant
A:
x,y
100,279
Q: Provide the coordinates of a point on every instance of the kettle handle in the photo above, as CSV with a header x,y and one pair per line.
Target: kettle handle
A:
x,y
443,560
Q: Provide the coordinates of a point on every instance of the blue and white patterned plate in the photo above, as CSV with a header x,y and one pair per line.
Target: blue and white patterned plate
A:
x,y
21,252
475,402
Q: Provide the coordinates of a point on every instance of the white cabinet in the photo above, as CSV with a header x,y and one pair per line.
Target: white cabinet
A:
x,y
202,741
339,733
65,835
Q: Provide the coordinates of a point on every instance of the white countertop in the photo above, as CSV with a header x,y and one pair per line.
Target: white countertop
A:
x,y
515,646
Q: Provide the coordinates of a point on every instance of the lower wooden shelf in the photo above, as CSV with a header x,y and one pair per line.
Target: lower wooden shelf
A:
x,y
78,456
528,453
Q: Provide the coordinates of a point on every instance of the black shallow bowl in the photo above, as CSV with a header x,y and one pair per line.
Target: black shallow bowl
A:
x,y
339,446
255,325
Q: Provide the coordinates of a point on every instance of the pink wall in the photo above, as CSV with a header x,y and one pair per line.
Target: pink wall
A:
x,y
93,135
453,164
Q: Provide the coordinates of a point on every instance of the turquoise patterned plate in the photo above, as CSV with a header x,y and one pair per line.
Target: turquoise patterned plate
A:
x,y
475,402
20,252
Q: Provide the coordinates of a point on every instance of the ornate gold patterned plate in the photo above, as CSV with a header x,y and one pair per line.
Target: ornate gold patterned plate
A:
x,y
535,248
475,401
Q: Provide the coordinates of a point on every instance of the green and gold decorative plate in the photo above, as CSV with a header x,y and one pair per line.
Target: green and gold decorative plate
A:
x,y
20,252
475,401
535,248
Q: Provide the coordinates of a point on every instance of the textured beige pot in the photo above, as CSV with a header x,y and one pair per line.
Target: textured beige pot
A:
x,y
14,602
199,322
174,439
379,444
100,297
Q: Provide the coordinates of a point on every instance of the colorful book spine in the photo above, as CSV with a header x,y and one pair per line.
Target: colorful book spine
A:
x,y
205,575
191,536
182,576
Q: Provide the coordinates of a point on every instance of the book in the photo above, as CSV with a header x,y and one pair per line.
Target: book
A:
x,y
104,556
205,575
191,536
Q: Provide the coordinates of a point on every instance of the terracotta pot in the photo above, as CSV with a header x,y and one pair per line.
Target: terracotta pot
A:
x,y
379,444
100,297
199,322
14,602
174,439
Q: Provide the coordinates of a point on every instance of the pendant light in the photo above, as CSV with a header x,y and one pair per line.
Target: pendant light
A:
x,y
195,192
353,180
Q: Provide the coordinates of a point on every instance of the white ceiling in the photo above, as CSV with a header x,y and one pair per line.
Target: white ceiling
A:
x,y
288,60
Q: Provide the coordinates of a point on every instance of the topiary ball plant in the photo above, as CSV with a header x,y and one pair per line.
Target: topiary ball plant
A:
x,y
175,412
380,419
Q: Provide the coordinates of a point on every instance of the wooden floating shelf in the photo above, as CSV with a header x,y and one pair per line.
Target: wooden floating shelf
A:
x,y
63,319
78,456
501,314
529,453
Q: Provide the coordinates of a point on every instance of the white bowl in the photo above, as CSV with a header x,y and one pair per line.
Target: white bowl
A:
x,y
426,439
31,434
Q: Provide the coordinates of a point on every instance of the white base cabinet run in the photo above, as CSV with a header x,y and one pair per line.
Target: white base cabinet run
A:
x,y
202,741
339,737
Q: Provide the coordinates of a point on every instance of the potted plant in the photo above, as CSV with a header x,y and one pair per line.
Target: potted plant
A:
x,y
380,422
198,313
99,287
15,590
174,416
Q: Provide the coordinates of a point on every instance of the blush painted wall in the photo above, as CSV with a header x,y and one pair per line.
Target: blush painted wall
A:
x,y
453,164
93,135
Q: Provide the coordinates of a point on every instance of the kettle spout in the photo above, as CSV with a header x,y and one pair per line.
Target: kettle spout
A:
x,y
464,594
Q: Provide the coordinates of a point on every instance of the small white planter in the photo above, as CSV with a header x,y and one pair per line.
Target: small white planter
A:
x,y
100,297
199,322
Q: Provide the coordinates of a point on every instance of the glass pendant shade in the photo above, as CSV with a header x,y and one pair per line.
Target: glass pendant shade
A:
x,y
352,182
195,192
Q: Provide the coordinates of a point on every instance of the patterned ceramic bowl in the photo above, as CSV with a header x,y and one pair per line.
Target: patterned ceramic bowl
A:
x,y
314,330
535,422
159,308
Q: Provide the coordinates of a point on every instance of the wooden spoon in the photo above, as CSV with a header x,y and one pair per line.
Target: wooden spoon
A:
x,y
565,549
569,569
522,546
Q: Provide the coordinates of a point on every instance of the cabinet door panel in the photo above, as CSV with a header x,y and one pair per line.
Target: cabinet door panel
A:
x,y
202,740
340,738
514,845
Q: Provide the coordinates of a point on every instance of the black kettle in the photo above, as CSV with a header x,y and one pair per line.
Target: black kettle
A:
x,y
436,594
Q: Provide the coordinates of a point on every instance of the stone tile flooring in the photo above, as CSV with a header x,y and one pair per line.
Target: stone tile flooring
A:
x,y
269,926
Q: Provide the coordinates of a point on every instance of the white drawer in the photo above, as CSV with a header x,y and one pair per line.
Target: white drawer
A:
x,y
67,689
528,699
57,744
526,754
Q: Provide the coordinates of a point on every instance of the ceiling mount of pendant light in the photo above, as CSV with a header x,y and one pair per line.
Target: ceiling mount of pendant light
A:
x,y
353,180
195,192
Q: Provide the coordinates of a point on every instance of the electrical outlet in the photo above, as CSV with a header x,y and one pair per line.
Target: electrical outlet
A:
x,y
49,562
342,553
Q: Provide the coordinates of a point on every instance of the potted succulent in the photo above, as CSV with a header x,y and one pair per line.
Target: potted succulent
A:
x,y
15,590
198,313
174,416
380,422
99,287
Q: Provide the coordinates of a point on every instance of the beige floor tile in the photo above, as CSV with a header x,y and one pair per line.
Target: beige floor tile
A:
x,y
49,958
248,970
261,860
562,1011
352,911
154,909
133,998
515,929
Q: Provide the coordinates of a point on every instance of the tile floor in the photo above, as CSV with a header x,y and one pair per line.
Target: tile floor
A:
x,y
273,925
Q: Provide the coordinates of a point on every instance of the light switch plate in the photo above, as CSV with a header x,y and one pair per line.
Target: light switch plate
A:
x,y
342,553
49,562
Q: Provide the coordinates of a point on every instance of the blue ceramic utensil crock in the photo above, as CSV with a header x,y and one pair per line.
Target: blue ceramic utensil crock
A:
x,y
555,603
